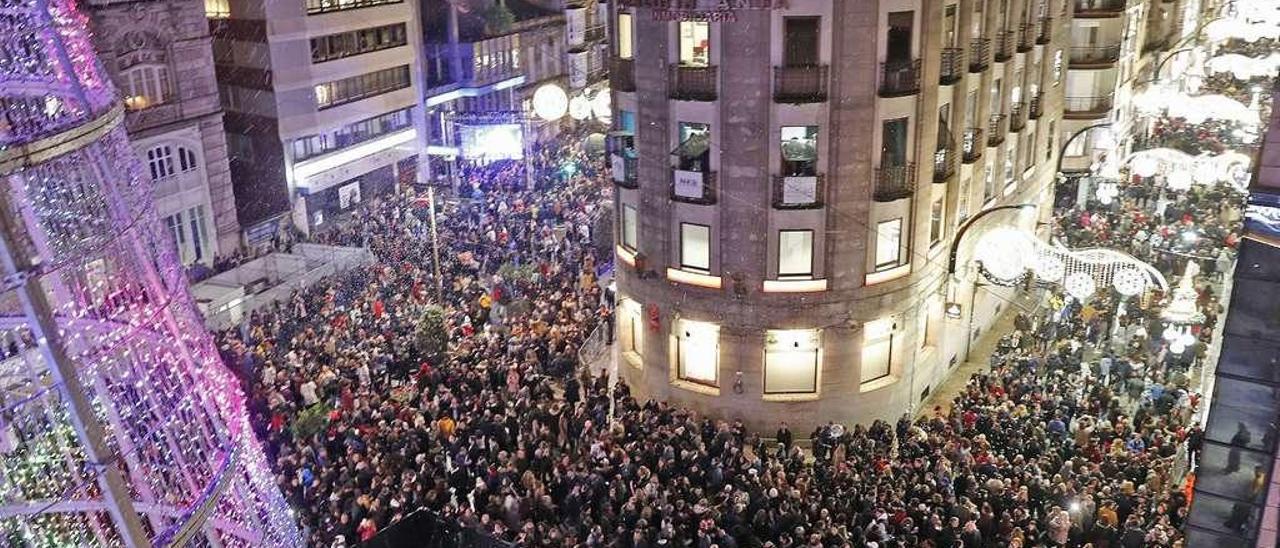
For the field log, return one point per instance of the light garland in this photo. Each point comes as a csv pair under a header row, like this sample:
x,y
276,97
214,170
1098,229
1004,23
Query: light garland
x,y
1005,256
167,412
1129,281
1080,285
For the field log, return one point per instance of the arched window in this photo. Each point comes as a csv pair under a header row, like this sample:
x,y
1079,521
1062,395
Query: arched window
x,y
160,160
145,85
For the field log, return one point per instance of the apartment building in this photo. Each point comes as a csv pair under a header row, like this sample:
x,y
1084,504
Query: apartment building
x,y
323,105
790,179
160,58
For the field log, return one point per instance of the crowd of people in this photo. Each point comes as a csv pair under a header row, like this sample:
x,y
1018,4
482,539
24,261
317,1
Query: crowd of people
x,y
1055,445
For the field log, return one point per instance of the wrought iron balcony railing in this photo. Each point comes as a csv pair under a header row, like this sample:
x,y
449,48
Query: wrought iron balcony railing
x,y
1017,117
1094,56
798,191
1004,45
693,187
693,83
979,54
952,66
1080,108
1026,37
807,84
995,130
944,164
972,145
899,78
626,170
622,75
1046,31
1036,106
895,182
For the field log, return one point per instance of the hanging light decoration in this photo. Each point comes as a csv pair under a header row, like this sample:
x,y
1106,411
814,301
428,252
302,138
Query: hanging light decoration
x,y
1179,181
579,108
1129,281
1080,285
1002,255
1107,192
550,102
1145,166
602,104
1049,267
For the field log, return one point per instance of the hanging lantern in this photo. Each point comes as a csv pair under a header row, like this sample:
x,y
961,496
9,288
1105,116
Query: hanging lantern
x,y
579,108
1002,254
1080,285
550,102
601,104
1129,281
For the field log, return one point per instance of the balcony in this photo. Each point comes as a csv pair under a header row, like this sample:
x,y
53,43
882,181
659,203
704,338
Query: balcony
x,y
693,187
1004,45
979,54
798,191
995,130
1037,106
596,33
971,145
1017,117
1094,57
625,169
796,85
1086,9
693,83
895,182
1046,31
952,66
899,78
1026,37
1086,108
622,75
944,164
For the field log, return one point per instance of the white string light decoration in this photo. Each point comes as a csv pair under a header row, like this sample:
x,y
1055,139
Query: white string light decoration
x,y
1005,255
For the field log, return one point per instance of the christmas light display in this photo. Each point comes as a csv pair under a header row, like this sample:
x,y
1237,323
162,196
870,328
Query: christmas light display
x,y
119,425
1005,256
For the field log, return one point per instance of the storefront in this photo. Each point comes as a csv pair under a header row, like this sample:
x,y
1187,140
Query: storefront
x,y
330,204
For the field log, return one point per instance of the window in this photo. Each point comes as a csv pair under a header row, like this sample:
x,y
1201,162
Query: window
x,y
326,6
989,183
351,134
145,85
630,326
356,42
799,151
898,36
1057,67
160,160
795,254
355,88
893,144
695,43
888,244
186,159
1053,131
695,247
800,46
626,45
927,329
190,233
629,222
1010,154
935,220
217,9
962,204
877,349
791,361
697,351
694,150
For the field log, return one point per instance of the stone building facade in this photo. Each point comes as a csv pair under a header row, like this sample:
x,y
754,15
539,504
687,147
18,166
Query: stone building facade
x,y
791,177
160,57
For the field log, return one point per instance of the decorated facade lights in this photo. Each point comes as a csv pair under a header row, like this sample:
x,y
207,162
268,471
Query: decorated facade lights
x,y
1181,169
1007,256
1182,310
1195,109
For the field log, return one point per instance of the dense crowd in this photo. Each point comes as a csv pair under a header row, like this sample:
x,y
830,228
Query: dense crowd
x,y
1055,445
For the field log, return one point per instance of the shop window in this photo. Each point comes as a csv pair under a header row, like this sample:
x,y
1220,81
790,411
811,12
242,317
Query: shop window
x,y
698,351
795,254
791,361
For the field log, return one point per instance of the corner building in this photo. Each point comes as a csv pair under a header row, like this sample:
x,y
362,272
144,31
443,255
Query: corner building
x,y
790,176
